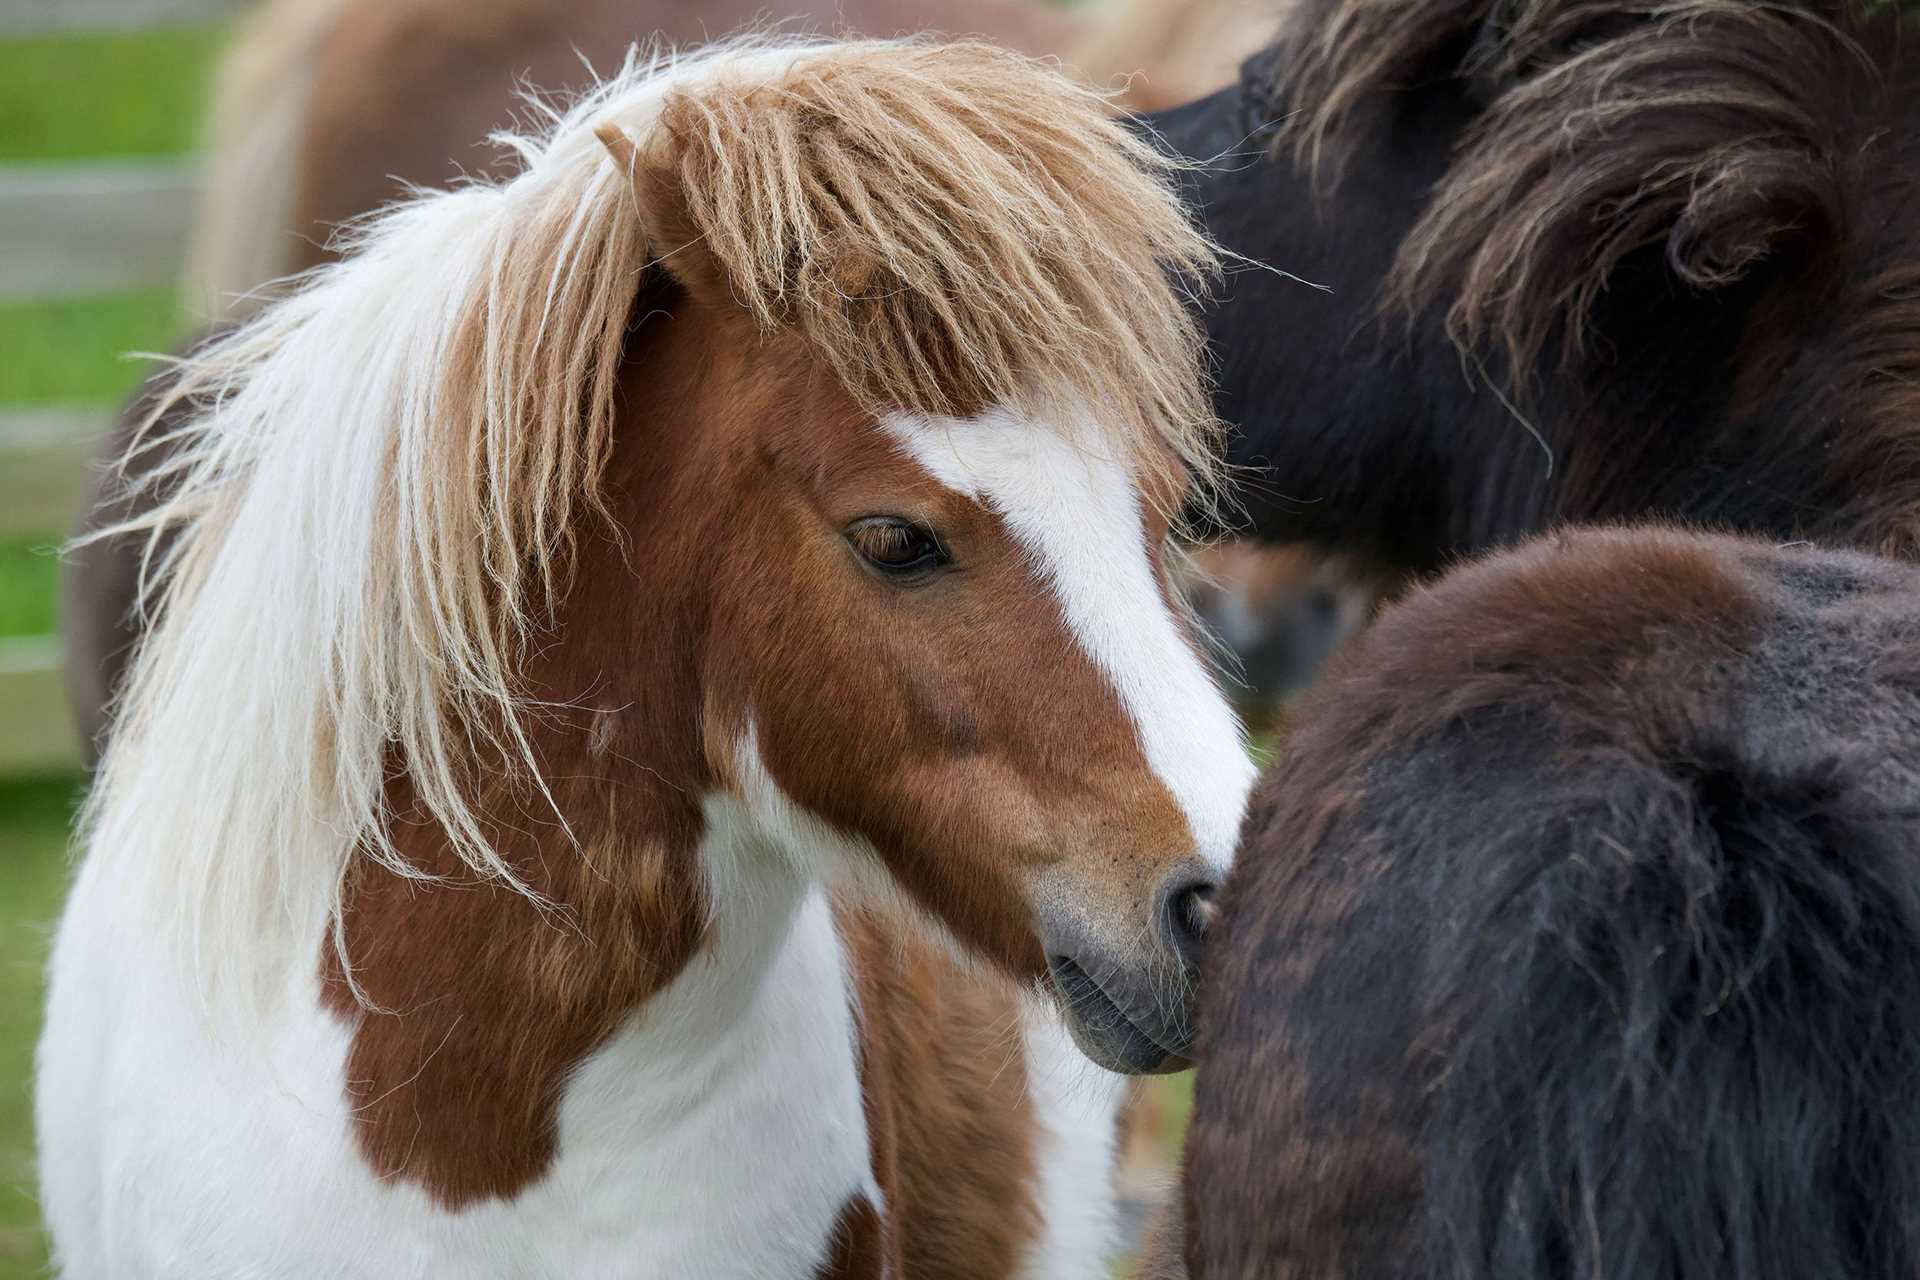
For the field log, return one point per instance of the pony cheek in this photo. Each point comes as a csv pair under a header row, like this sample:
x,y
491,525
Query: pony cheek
x,y
777,636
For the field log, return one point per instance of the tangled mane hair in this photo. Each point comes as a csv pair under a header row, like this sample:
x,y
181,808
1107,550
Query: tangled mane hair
x,y
1731,171
370,490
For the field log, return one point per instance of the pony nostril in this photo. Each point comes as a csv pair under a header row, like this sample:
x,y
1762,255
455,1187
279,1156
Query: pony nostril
x,y
1186,913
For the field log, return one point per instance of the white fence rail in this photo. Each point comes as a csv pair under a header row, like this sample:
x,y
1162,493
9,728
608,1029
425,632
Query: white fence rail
x,y
36,727
44,453
93,228
39,17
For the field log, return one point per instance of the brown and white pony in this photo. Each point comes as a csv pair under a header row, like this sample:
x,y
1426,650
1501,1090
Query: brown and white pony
x,y
630,639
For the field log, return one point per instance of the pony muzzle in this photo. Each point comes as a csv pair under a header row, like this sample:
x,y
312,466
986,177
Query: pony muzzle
x,y
1131,1008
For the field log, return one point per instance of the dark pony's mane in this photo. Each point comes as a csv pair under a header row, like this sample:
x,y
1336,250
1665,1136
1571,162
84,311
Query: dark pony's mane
x,y
1712,199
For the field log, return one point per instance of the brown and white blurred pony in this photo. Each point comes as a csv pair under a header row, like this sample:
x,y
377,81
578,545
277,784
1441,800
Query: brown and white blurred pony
x,y
627,639
1277,613
327,109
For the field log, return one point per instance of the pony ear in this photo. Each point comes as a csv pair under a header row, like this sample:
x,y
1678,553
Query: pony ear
x,y
678,253
618,145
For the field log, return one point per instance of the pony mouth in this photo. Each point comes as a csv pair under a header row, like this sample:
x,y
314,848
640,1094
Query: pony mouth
x,y
1107,1033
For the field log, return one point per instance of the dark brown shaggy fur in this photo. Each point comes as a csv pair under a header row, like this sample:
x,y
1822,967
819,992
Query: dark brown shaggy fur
x,y
1580,932
1577,936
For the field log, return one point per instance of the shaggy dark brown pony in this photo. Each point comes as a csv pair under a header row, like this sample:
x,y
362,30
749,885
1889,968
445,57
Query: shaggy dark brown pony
x,y
1576,935
1579,936
1582,259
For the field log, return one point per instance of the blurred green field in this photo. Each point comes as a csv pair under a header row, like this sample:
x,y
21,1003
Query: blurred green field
x,y
78,350
28,573
67,98
33,875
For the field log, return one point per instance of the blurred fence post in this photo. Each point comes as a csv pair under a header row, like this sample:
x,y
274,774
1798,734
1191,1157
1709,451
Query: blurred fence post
x,y
74,228
44,17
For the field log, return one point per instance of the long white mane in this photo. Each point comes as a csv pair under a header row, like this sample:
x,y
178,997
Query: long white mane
x,y
341,570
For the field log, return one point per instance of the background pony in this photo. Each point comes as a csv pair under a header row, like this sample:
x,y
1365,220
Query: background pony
x,y
1278,612
328,109
577,721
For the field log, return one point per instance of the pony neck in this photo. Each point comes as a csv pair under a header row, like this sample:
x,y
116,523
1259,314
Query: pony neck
x,y
477,1001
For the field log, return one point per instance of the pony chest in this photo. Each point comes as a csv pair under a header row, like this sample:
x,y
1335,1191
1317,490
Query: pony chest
x,y
718,1132
739,1151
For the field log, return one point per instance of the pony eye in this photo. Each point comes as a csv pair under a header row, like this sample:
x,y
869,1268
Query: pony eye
x,y
897,549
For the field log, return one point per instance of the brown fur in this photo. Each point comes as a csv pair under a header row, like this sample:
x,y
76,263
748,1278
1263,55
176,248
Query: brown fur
x,y
1554,602
1578,931
947,1105
860,1248
466,971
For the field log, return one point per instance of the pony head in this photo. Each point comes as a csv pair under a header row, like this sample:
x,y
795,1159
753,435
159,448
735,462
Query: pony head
x,y
800,428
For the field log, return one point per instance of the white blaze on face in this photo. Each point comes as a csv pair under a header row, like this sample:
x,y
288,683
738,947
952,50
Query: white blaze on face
x,y
1077,510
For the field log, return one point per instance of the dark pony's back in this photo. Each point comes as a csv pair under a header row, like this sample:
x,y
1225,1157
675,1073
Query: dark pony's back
x,y
1578,934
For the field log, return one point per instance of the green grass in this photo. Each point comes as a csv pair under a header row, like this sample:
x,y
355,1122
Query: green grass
x,y
67,97
33,875
74,350
29,574
68,351
64,97
1176,1094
